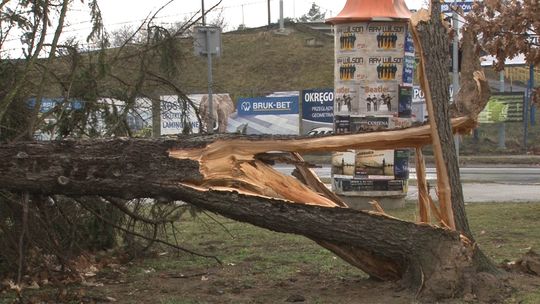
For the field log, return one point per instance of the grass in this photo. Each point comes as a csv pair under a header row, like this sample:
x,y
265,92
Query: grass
x,y
274,254
505,231
260,266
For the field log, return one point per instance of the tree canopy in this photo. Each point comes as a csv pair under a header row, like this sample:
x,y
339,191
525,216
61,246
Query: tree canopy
x,y
313,15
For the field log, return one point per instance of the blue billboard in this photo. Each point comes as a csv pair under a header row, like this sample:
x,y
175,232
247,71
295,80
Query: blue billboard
x,y
409,42
267,106
466,6
318,105
48,104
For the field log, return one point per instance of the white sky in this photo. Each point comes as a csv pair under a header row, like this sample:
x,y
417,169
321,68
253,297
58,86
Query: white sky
x,y
119,13
130,13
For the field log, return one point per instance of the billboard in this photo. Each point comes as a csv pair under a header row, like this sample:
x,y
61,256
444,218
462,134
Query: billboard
x,y
180,116
317,111
267,105
277,114
98,122
50,104
503,107
448,7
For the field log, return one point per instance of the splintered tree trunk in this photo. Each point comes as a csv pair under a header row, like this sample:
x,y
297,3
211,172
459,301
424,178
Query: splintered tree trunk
x,y
224,175
432,38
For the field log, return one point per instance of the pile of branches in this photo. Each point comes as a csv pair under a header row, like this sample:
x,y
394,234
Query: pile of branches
x,y
43,237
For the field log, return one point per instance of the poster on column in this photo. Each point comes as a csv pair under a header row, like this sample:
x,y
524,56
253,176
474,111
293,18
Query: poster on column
x,y
363,124
352,69
379,98
346,99
378,164
370,66
370,37
343,164
342,124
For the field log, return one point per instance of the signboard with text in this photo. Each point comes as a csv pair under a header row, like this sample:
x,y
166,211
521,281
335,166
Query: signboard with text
x,y
276,114
267,106
503,107
448,6
317,111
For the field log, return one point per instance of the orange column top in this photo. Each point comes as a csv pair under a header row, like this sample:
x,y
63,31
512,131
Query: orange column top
x,y
366,10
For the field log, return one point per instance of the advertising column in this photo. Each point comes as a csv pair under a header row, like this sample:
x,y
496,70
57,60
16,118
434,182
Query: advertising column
x,y
374,62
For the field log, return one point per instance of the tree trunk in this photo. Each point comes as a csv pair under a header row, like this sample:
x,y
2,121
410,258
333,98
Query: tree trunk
x,y
433,38
431,260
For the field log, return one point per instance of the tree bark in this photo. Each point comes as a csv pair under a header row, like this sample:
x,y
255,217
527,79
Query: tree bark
x,y
431,260
432,41
433,38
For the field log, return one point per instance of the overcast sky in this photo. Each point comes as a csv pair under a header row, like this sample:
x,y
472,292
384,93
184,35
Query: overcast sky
x,y
130,13
119,13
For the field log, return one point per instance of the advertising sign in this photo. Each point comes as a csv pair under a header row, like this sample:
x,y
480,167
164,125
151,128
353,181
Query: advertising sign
x,y
409,43
267,105
368,124
317,111
138,116
369,66
405,101
49,104
274,114
503,107
447,8
408,70
401,164
179,116
342,124
374,164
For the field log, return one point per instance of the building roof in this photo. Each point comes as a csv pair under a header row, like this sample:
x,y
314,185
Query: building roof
x,y
368,10
517,60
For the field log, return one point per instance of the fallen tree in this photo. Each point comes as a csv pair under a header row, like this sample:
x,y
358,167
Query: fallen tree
x,y
229,175
426,256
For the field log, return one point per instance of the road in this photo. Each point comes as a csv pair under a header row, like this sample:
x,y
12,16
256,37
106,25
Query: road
x,y
480,184
505,175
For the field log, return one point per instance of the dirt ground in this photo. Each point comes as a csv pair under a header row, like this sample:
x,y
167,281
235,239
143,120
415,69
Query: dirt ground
x,y
243,284
246,283
261,266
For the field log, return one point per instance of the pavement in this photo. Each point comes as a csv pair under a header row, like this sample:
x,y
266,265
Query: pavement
x,y
485,179
490,193
493,179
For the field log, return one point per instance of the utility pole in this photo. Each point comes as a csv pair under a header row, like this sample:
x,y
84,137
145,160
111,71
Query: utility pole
x,y
203,13
269,19
526,107
502,127
243,22
281,21
533,108
156,115
210,123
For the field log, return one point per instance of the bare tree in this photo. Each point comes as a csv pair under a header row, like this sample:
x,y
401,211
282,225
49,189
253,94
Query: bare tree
x,y
507,29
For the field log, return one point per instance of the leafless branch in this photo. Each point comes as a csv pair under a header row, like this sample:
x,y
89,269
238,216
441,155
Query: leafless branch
x,y
83,204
